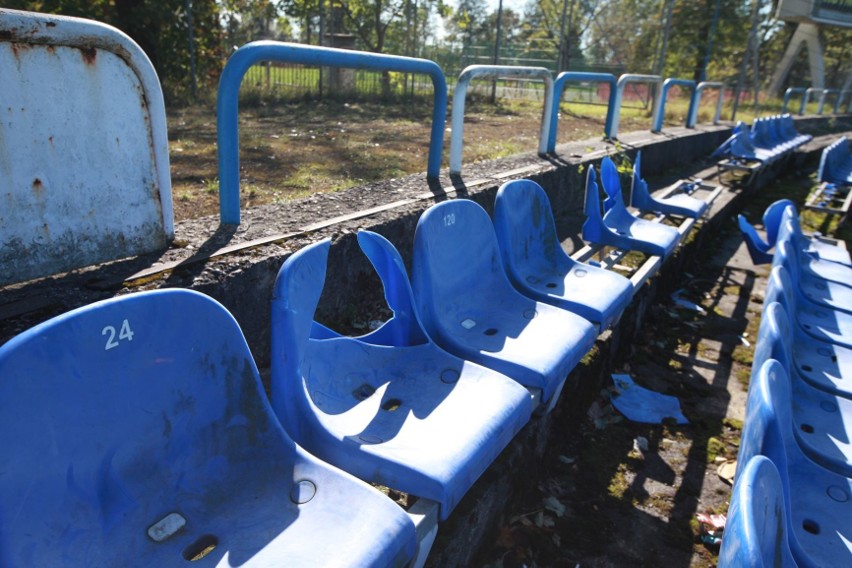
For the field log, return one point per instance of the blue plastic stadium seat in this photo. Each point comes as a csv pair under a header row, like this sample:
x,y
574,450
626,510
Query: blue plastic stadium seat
x,y
816,256
788,128
469,307
824,365
819,322
756,528
540,269
618,227
835,165
136,432
743,147
811,288
816,499
822,421
679,204
389,407
758,250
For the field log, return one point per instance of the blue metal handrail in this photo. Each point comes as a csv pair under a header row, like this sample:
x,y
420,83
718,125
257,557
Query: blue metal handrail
x,y
788,94
619,92
660,110
494,72
808,92
692,117
228,103
825,93
575,77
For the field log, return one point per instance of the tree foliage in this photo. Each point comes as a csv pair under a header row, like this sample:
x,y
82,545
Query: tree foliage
x,y
160,27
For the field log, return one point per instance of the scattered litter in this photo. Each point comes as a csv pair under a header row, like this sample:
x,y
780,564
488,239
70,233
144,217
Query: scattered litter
x,y
717,522
682,302
375,324
566,460
553,504
712,528
744,341
639,404
603,415
640,444
726,470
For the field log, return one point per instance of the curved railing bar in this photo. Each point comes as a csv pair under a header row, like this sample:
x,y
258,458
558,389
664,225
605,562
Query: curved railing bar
x,y
619,92
692,118
576,77
493,72
660,110
249,54
788,94
825,93
808,92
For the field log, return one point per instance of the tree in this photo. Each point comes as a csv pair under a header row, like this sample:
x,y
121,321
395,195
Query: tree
x,y
161,28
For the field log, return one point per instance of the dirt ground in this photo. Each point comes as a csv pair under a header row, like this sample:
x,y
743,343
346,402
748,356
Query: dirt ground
x,y
604,501
289,150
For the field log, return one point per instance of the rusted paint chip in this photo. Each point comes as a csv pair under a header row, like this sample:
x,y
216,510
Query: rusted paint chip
x,y
90,54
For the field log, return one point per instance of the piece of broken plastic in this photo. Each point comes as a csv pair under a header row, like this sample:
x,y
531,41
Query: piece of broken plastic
x,y
639,404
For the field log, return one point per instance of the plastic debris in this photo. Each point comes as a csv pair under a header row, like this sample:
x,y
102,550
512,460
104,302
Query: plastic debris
x,y
567,460
682,302
639,404
726,469
640,444
712,528
555,505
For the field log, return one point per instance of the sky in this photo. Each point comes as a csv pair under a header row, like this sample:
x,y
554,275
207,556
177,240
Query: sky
x,y
516,5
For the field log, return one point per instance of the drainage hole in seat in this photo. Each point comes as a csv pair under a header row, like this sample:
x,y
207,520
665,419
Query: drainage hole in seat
x,y
392,405
490,331
807,368
807,428
810,526
200,548
363,392
550,285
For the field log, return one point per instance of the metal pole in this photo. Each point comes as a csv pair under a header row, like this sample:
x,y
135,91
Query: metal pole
x,y
191,35
497,49
744,66
702,76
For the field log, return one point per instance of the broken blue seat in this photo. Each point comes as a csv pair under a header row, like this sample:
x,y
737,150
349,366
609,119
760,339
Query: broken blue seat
x,y
620,229
816,500
389,407
810,288
679,204
756,529
822,422
835,164
816,256
819,322
136,432
469,307
540,269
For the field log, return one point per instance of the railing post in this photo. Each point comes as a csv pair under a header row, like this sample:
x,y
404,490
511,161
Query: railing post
x,y
227,106
825,93
659,112
493,72
807,99
788,94
573,77
692,118
619,93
